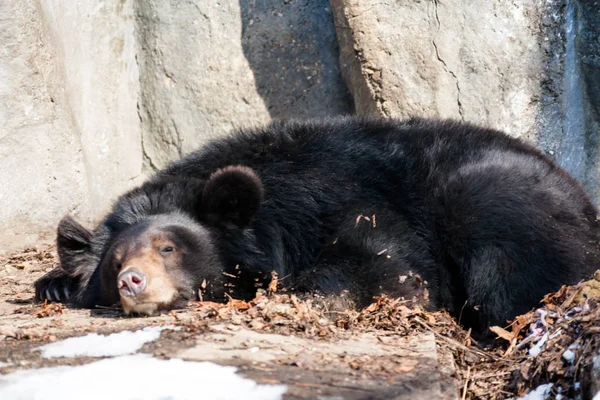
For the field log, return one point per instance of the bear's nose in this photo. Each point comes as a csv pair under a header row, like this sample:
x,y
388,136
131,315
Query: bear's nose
x,y
131,282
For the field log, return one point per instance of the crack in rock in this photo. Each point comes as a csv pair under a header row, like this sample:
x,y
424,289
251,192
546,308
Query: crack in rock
x,y
446,68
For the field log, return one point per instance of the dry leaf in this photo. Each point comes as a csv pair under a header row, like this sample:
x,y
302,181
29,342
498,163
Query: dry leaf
x,y
549,298
502,333
354,365
518,324
203,305
357,220
407,366
239,304
272,288
49,309
430,319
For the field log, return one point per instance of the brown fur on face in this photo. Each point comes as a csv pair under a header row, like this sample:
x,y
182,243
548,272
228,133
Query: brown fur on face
x,y
160,290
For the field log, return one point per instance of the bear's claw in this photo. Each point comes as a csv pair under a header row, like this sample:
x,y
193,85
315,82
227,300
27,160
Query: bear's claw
x,y
55,286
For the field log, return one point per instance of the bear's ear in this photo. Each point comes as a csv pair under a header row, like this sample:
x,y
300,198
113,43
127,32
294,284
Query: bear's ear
x,y
73,243
232,196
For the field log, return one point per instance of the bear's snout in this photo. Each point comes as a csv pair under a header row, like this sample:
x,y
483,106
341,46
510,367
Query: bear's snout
x,y
144,283
131,282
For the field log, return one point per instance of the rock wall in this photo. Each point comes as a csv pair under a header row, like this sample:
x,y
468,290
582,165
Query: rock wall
x,y
292,49
70,132
97,95
480,62
95,50
206,69
41,165
584,34
196,82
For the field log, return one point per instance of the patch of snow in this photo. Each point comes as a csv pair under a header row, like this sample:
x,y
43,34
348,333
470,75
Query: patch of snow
x,y
559,395
4,364
542,313
139,376
597,396
569,354
540,393
537,349
94,345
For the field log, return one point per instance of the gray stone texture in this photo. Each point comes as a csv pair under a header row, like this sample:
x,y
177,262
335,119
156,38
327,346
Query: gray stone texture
x,y
475,61
70,132
41,165
586,38
82,80
96,54
208,68
291,47
196,83
424,371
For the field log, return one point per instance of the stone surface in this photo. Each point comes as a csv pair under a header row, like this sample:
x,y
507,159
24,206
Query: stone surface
x,y
292,49
196,82
101,81
208,68
81,81
349,368
443,59
70,132
585,35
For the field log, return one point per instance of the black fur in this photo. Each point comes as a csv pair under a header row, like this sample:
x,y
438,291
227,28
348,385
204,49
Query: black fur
x,y
232,196
470,214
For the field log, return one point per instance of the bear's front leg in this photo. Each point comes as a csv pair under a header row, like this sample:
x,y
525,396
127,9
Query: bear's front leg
x,y
57,285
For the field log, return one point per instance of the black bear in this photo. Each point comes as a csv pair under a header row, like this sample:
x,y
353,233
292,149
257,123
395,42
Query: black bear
x,y
454,215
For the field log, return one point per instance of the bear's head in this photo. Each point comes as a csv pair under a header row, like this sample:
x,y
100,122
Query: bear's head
x,y
162,260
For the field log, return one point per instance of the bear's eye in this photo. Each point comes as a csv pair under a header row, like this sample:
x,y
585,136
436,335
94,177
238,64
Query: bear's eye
x,y
167,249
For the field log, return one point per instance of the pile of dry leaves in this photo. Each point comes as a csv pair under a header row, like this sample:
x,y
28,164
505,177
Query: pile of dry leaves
x,y
551,348
554,344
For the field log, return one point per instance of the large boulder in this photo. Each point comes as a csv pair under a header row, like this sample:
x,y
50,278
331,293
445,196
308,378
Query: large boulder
x,y
41,165
292,49
82,80
207,68
96,55
584,35
476,62
196,83
70,132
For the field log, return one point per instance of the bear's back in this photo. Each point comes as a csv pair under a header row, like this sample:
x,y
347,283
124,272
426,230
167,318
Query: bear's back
x,y
345,158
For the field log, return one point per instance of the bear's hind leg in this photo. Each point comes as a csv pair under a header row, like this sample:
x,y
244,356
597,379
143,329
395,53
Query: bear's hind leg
x,y
516,230
496,288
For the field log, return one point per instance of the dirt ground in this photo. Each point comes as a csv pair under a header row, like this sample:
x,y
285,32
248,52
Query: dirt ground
x,y
389,350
